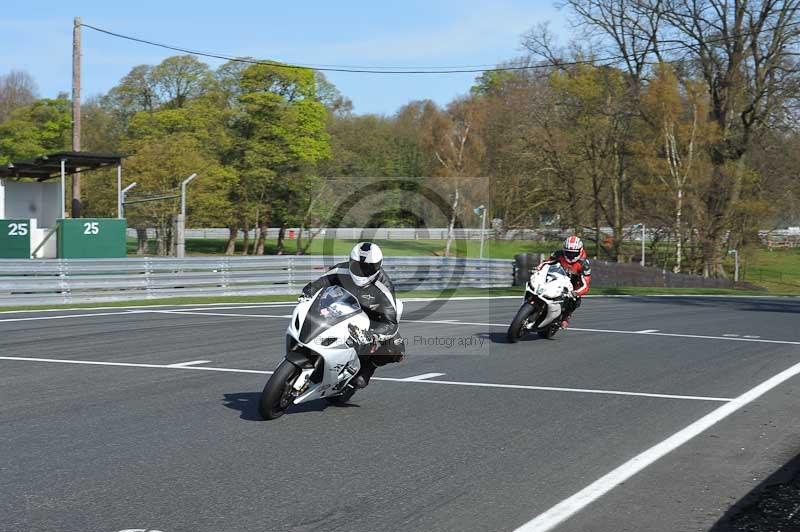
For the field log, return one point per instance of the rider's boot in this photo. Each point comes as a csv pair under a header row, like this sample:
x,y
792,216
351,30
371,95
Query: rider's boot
x,y
565,320
361,380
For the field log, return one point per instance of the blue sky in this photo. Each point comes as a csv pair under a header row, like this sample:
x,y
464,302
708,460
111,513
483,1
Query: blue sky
x,y
37,38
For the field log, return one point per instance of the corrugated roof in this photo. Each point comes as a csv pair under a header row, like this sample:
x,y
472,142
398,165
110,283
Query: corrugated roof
x,y
49,166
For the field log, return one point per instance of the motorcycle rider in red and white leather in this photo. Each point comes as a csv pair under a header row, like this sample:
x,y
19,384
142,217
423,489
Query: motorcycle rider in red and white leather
x,y
572,257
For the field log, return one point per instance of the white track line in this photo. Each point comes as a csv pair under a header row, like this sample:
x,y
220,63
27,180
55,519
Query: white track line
x,y
613,331
698,336
454,322
422,377
648,331
442,322
225,314
163,305
133,365
557,389
388,379
572,505
37,318
407,300
189,363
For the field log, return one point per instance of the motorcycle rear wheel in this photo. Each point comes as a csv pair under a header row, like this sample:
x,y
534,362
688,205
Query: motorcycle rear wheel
x,y
517,328
276,397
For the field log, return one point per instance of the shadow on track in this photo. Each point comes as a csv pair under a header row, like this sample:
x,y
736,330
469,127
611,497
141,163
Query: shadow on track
x,y
502,337
247,404
773,505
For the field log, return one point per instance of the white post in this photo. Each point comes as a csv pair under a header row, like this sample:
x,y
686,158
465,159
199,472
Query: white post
x,y
63,190
122,195
483,230
643,231
180,227
736,265
183,192
119,191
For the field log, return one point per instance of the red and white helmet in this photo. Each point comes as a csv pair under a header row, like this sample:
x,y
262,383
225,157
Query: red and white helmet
x,y
573,249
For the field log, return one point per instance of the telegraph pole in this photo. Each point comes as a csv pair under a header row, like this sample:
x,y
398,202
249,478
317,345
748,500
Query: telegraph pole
x,y
76,112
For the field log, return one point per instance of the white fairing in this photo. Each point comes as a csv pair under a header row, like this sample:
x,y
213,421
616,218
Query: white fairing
x,y
340,360
550,285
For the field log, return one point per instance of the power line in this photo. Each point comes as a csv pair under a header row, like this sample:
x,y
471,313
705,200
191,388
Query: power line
x,y
470,69
366,70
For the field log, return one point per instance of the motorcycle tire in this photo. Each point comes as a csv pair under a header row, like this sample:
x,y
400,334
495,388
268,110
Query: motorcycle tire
x,y
517,328
276,397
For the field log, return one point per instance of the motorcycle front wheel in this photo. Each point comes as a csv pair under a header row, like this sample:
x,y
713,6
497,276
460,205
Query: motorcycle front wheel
x,y
277,396
517,328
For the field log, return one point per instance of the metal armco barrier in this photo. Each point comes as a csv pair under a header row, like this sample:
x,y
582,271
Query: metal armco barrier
x,y
66,281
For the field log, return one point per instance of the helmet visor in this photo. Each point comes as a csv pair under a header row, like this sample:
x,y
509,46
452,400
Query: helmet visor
x,y
364,269
571,255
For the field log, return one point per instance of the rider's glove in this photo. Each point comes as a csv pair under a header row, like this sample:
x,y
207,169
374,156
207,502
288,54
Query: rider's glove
x,y
303,298
360,336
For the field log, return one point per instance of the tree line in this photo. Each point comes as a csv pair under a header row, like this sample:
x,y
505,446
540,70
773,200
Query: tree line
x,y
690,128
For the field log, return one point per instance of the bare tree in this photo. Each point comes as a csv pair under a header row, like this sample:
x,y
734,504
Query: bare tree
x,y
744,51
17,89
457,146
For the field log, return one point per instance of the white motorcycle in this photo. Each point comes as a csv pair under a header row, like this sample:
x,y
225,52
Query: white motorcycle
x,y
321,356
545,294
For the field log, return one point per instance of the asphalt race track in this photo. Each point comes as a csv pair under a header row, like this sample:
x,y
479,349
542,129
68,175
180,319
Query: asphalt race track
x,y
651,414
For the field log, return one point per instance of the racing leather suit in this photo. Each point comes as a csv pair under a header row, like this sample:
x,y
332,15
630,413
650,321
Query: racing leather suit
x,y
580,273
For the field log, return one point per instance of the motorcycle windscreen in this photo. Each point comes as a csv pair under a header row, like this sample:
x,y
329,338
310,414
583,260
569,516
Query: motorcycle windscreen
x,y
333,305
555,271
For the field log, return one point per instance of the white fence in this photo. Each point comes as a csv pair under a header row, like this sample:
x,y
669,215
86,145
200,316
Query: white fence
x,y
67,281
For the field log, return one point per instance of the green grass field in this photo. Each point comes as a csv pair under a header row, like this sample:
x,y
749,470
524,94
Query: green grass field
x,y
471,248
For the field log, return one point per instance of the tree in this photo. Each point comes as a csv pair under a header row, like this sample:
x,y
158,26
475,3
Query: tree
x,y
679,120
134,93
158,165
17,89
597,125
280,135
180,78
742,51
454,139
42,127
